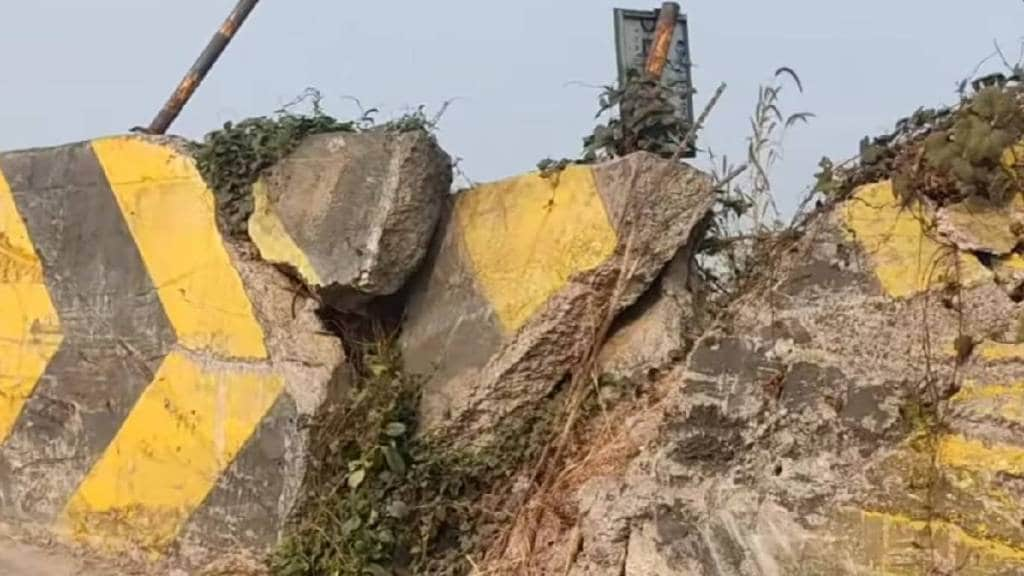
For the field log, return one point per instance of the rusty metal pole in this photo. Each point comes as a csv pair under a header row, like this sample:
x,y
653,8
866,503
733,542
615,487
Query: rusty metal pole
x,y
666,29
206,60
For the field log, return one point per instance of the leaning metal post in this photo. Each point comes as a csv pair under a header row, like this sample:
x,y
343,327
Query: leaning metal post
x,y
666,29
206,60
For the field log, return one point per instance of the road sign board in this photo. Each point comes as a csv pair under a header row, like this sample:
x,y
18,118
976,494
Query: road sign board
x,y
634,35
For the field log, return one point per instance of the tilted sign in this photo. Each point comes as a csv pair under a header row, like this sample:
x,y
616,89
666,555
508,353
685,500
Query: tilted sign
x,y
634,35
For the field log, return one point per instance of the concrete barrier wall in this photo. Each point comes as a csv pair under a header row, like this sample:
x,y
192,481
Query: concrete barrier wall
x,y
155,376
141,403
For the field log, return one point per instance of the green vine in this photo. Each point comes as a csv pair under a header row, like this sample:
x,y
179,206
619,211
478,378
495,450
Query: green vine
x,y
647,121
232,159
384,501
952,154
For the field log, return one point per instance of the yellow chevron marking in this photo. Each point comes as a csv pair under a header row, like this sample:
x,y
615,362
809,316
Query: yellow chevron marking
x,y
29,326
272,239
170,213
959,452
998,401
898,544
905,259
527,236
185,430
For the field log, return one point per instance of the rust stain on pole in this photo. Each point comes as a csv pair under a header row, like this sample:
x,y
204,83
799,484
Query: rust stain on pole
x,y
187,87
658,57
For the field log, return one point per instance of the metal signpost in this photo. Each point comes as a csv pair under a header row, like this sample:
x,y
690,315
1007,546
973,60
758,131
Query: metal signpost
x,y
201,68
636,37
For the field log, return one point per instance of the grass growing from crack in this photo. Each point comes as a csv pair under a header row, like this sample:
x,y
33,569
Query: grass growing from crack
x,y
745,224
385,501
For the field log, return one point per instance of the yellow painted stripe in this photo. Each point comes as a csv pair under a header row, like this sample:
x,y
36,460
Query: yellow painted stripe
x,y
29,327
904,532
272,239
1012,263
1013,159
973,455
1000,351
994,401
185,430
989,351
170,212
527,236
905,258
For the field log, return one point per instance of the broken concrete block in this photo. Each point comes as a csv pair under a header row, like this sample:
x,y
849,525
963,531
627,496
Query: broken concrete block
x,y
659,329
906,256
353,212
978,225
528,269
155,383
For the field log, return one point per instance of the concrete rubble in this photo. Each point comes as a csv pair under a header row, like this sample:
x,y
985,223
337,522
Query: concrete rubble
x,y
659,330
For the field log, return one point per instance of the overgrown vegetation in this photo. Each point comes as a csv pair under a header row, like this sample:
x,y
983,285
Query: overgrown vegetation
x,y
642,115
746,219
648,119
232,159
965,155
945,155
384,501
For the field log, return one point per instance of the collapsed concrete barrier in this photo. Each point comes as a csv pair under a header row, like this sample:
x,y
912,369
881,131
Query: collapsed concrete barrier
x,y
158,379
859,414
526,272
154,383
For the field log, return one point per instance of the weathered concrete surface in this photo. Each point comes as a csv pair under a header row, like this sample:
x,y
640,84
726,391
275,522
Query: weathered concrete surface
x,y
355,212
154,382
21,560
836,424
526,272
45,557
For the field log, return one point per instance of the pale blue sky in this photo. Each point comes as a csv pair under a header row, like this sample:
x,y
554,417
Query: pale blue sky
x,y
75,69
